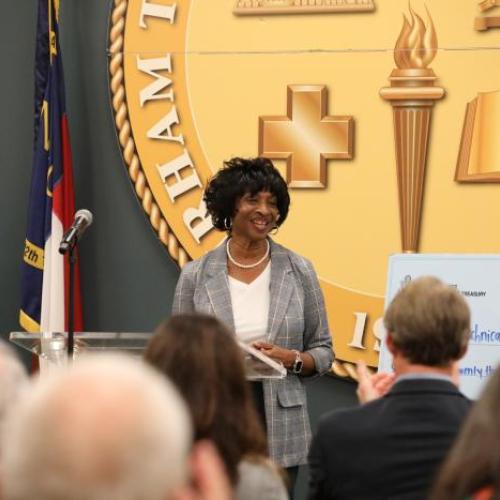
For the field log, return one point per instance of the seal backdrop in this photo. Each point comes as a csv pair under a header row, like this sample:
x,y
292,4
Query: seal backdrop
x,y
193,84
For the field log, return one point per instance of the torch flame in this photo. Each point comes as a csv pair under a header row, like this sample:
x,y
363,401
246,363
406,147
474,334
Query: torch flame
x,y
416,46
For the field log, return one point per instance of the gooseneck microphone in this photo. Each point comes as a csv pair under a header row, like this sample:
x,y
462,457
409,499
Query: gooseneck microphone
x,y
83,219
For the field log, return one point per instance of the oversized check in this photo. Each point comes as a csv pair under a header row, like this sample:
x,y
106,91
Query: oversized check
x,y
477,279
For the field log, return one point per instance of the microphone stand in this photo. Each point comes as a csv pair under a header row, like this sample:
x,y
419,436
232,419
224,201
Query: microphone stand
x,y
71,306
83,219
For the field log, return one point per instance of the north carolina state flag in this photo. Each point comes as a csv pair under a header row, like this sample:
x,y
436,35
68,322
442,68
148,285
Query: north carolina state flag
x,y
45,274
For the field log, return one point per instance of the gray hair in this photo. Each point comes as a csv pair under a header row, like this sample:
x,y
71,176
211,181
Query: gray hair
x,y
108,427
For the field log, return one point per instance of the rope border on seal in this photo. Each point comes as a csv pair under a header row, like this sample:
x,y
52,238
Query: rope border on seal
x,y
176,251
123,127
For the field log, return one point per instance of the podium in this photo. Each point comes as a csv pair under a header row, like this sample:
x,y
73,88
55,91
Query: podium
x,y
51,347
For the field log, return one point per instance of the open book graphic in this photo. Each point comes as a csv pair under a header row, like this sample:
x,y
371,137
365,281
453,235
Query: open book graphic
x,y
479,155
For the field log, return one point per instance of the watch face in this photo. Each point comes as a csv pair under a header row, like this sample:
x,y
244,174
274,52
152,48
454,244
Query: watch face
x,y
297,367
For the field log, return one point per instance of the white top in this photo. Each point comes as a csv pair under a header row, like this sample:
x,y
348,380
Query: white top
x,y
251,306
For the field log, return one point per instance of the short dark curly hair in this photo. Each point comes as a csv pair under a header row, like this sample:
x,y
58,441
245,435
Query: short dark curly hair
x,y
238,177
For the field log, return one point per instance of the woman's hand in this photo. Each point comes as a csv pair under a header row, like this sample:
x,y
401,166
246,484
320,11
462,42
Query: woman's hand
x,y
287,356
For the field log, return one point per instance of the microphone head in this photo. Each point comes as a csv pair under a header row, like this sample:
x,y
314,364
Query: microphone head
x,y
85,214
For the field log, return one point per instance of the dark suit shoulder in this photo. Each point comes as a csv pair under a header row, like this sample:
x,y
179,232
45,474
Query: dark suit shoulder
x,y
426,385
429,397
341,420
425,390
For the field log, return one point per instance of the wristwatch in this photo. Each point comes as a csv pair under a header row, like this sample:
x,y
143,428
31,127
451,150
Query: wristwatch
x,y
298,363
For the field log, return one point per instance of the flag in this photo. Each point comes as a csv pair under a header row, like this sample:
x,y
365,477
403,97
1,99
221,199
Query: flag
x,y
45,273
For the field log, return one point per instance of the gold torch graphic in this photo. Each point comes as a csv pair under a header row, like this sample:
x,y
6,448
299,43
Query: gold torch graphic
x,y
412,95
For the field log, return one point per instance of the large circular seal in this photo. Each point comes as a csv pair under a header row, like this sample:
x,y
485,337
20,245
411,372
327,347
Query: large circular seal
x,y
193,84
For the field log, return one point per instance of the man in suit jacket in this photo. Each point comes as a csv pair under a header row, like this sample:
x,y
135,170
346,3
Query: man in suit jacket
x,y
391,446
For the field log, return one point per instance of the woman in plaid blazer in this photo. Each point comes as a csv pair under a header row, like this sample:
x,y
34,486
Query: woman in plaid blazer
x,y
267,294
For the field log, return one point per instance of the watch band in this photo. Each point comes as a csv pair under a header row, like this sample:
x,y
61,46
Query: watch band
x,y
298,363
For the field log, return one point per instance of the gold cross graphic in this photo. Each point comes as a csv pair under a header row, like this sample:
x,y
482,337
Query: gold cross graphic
x,y
306,137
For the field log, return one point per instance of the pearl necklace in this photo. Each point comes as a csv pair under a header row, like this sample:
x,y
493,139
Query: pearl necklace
x,y
247,266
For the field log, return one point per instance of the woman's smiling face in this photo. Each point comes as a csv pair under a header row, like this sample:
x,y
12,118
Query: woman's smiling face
x,y
255,215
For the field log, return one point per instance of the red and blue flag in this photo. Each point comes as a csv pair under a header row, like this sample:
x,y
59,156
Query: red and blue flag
x,y
45,273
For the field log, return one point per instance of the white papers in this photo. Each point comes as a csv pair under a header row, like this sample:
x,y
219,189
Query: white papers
x,y
258,366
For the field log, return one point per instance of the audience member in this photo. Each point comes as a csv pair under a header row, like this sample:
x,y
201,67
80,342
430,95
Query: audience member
x,y
392,446
108,427
472,469
13,379
202,359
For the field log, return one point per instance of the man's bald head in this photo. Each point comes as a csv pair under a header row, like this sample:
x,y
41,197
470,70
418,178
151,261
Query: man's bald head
x,y
108,427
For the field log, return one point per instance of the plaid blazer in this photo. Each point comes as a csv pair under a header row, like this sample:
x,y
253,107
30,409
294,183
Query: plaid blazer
x,y
297,320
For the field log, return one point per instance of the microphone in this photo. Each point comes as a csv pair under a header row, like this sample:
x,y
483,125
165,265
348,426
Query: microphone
x,y
83,219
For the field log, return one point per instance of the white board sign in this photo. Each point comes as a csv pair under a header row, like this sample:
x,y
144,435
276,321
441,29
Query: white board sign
x,y
477,277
